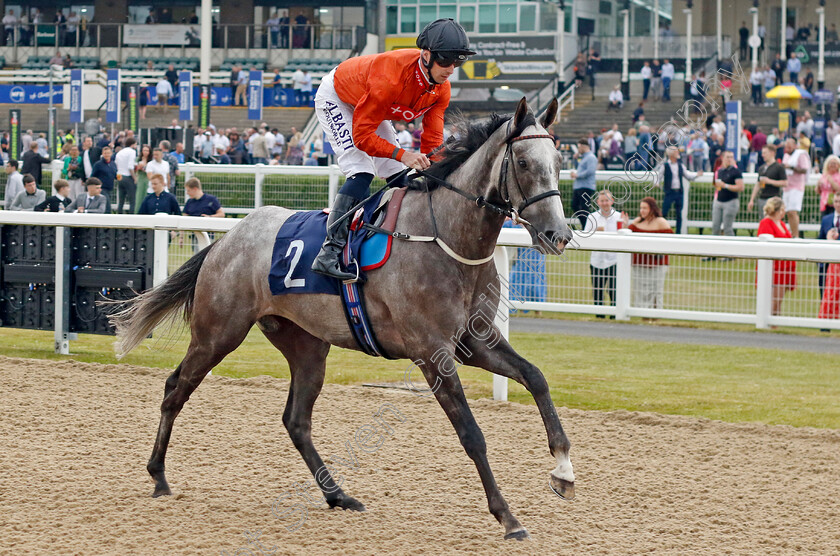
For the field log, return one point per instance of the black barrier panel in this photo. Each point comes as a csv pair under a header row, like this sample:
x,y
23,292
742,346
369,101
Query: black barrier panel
x,y
104,263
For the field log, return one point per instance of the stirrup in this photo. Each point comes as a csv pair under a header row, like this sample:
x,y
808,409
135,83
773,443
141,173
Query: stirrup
x,y
357,278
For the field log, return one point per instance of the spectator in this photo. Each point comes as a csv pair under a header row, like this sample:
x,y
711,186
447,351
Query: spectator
x,y
829,184
222,156
126,163
306,90
829,221
241,98
797,166
73,21
301,33
68,61
646,74
142,187
93,201
728,183
808,81
830,305
90,155
639,113
631,145
32,162
159,200
158,166
25,140
778,67
14,183
105,170
667,77
57,60
580,70
57,202
273,26
206,149
277,91
164,92
416,135
403,136
9,24
284,29
769,83
674,178
699,152
756,80
648,271
234,83
655,79
260,152
30,196
794,66
616,99
294,155
25,30
178,155
743,35
831,34
784,272
602,265
200,203
60,27
771,180
174,171
74,172
297,84
143,99
172,76
583,188
592,66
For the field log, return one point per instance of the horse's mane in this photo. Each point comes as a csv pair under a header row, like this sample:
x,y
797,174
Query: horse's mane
x,y
468,138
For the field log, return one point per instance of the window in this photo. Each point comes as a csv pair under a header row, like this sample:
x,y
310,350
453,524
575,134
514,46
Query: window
x,y
507,18
605,7
448,10
527,17
487,19
391,20
408,19
467,18
427,15
548,16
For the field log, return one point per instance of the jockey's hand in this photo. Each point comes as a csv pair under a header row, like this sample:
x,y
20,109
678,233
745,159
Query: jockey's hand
x,y
416,161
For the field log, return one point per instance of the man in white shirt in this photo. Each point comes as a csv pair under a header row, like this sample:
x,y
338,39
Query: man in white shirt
x,y
646,73
270,139
87,144
667,77
218,139
157,166
297,84
14,183
403,136
164,91
73,21
126,162
9,22
602,265
616,99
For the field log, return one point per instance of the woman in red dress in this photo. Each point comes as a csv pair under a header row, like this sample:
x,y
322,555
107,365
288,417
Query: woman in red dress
x,y
830,306
784,272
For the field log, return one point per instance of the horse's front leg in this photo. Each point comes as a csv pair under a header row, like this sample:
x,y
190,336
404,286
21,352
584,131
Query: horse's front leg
x,y
501,359
450,394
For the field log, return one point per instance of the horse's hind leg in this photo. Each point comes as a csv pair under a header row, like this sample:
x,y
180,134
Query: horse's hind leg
x,y
209,345
307,357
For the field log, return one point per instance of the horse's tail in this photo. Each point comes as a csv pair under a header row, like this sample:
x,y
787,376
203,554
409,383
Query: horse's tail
x,y
143,313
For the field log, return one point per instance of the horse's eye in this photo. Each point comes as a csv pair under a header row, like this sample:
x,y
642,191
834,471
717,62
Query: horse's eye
x,y
522,163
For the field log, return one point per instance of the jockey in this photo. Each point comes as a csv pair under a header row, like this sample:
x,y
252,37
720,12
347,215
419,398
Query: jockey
x,y
355,103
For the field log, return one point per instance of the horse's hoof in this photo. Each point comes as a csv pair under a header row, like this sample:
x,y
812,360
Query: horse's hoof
x,y
348,503
161,491
519,535
562,488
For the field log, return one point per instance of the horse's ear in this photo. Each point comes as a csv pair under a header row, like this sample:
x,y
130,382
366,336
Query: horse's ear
x,y
549,115
521,112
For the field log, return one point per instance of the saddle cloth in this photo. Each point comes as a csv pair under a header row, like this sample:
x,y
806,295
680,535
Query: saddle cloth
x,y
299,240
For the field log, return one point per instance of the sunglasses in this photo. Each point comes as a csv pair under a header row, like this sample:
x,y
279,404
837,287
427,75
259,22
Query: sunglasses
x,y
446,62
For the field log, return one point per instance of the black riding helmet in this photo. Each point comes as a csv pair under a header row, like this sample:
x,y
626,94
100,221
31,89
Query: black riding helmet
x,y
446,40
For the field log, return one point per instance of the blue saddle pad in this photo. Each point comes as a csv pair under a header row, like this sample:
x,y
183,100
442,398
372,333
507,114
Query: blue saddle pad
x,y
296,246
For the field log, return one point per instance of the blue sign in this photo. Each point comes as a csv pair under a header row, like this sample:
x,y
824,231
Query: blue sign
x,y
819,133
823,96
255,95
112,99
76,109
185,103
30,94
733,128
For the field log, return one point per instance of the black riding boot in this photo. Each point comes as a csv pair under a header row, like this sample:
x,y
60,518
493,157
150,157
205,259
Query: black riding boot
x,y
327,261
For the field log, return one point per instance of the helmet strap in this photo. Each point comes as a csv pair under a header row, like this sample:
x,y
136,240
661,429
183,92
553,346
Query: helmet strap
x,y
428,67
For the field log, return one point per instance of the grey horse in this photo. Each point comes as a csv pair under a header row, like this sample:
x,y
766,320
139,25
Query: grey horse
x,y
419,303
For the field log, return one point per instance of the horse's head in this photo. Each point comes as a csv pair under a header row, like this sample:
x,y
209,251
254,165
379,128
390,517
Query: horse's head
x,y
528,177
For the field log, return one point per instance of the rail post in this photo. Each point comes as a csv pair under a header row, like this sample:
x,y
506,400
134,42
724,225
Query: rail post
x,y
62,290
500,259
763,289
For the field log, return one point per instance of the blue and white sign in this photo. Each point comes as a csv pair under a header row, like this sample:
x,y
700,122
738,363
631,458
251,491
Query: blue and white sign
x,y
733,128
255,95
819,133
30,94
76,110
185,99
112,98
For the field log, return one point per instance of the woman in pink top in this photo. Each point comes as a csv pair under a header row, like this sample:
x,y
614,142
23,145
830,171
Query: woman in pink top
x,y
829,183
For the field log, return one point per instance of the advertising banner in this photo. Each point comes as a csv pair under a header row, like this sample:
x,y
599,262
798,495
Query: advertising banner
x,y
733,128
174,35
76,107
14,134
30,94
204,106
112,100
52,151
185,99
134,109
255,95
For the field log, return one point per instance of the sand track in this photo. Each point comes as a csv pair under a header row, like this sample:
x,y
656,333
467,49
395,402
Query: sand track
x,y
76,438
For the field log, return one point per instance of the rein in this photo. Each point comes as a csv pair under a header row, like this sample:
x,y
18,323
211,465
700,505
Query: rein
x,y
507,209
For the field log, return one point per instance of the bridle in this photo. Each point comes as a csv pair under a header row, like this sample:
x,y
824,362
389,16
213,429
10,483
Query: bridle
x,y
507,209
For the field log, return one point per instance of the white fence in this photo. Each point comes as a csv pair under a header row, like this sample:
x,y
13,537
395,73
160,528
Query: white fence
x,y
734,291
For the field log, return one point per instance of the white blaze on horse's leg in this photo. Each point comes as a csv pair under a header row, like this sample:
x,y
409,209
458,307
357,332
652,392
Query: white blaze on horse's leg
x,y
564,468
